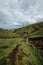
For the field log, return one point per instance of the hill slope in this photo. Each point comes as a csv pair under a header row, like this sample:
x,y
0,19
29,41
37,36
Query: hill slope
x,y
29,52
38,27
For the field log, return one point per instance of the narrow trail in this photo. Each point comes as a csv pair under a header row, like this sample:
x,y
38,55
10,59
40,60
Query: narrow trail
x,y
15,55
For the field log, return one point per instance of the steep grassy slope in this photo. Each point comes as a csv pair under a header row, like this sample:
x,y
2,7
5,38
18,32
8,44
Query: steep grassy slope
x,y
38,28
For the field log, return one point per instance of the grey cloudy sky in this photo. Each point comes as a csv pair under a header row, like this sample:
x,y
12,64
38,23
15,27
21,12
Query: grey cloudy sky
x,y
17,13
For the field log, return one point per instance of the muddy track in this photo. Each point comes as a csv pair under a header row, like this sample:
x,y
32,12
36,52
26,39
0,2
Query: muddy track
x,y
15,55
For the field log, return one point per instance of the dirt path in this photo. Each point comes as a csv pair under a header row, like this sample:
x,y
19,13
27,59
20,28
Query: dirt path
x,y
15,55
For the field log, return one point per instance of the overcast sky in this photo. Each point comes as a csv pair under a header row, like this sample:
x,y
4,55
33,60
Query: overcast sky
x,y
17,13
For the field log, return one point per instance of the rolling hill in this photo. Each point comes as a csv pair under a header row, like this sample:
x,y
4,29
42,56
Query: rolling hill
x,y
15,49
31,29
35,29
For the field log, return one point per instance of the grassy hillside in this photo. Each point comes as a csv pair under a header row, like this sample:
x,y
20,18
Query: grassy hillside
x,y
7,34
31,29
37,28
15,51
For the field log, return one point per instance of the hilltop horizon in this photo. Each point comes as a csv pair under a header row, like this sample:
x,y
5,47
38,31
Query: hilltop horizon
x,y
20,26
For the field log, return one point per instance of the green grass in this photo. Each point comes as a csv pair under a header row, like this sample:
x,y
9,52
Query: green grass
x,y
6,46
29,55
37,28
37,34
